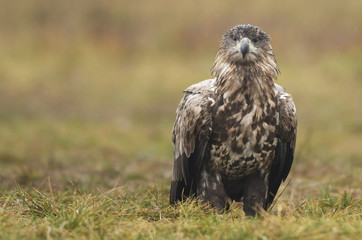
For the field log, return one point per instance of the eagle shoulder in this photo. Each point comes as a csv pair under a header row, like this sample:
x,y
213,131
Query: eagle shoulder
x,y
205,87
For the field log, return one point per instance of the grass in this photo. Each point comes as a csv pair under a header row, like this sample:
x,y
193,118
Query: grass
x,y
87,102
145,214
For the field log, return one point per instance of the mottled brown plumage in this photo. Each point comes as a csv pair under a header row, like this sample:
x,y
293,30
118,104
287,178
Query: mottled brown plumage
x,y
234,136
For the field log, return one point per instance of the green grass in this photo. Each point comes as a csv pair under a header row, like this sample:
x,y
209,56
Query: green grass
x,y
88,93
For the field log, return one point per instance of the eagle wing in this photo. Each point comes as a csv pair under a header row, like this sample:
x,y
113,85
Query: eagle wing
x,y
190,137
286,134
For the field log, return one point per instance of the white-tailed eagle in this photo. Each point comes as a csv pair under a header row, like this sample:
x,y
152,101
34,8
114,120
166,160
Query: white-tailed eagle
x,y
234,135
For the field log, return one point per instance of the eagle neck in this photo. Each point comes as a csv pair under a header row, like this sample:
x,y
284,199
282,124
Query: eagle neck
x,y
246,80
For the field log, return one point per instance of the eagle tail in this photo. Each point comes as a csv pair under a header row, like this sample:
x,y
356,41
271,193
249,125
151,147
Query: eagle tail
x,y
176,191
179,191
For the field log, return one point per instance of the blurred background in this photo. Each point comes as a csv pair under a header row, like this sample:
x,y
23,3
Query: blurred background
x,y
89,89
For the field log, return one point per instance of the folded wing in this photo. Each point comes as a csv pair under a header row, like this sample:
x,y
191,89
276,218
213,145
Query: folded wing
x,y
286,133
190,137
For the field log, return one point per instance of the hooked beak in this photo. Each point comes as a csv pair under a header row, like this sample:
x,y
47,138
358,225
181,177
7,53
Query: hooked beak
x,y
244,46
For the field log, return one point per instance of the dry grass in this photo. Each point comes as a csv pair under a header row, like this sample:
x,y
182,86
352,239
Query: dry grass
x,y
145,214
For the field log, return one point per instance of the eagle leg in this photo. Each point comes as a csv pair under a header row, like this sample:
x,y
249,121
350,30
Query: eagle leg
x,y
211,190
254,194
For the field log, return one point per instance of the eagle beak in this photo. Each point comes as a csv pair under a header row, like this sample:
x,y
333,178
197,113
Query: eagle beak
x,y
244,46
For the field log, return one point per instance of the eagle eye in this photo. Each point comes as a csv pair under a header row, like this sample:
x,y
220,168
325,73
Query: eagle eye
x,y
255,40
233,37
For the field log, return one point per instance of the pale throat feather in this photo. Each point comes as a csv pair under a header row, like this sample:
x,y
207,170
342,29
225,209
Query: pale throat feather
x,y
229,75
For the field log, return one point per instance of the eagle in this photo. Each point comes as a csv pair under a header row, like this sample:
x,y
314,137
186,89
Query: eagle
x,y
234,135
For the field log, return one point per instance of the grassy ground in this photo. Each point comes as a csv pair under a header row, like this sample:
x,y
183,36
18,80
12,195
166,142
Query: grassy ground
x,y
88,93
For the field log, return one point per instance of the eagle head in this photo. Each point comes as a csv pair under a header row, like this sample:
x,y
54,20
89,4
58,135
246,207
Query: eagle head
x,y
245,46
